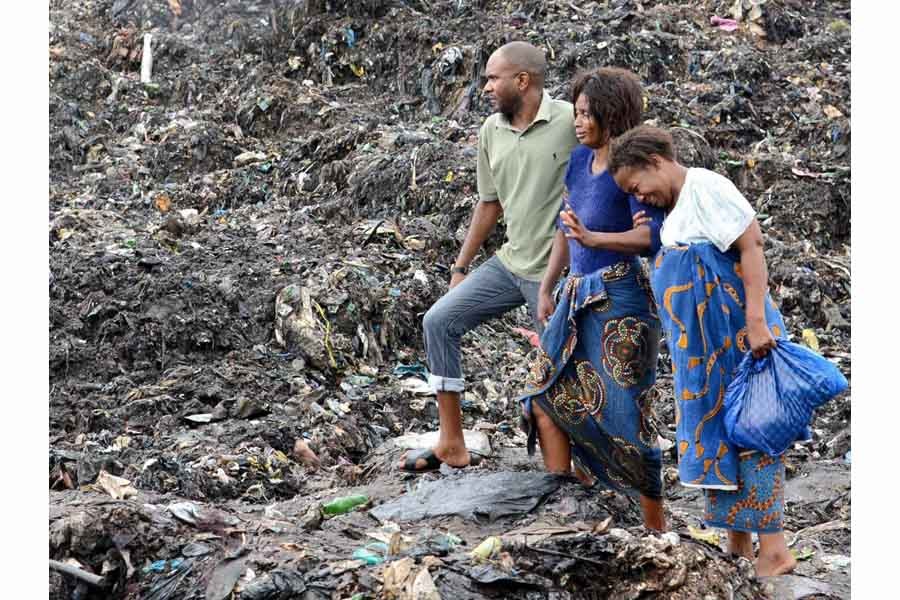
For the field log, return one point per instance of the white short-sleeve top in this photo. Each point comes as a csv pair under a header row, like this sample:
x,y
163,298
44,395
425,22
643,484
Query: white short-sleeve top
x,y
709,209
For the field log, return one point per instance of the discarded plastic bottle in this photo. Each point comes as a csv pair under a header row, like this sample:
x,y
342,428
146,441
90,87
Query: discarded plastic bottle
x,y
343,505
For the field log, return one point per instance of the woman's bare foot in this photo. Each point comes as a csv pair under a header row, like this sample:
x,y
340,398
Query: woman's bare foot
x,y
767,566
774,556
740,543
654,516
586,479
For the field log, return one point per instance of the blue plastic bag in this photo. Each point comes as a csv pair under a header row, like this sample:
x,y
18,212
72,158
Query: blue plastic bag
x,y
770,401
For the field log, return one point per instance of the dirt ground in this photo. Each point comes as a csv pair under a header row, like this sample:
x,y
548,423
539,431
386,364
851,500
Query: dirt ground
x,y
242,250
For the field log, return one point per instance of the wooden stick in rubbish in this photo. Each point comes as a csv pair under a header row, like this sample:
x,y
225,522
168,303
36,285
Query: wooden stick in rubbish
x,y
146,60
81,574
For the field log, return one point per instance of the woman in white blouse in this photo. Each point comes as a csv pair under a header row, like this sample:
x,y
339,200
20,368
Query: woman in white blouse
x,y
710,282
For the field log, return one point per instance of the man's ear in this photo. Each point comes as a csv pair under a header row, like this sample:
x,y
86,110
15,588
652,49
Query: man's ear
x,y
523,80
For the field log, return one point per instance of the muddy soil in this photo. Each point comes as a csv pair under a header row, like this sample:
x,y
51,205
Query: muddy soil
x,y
242,250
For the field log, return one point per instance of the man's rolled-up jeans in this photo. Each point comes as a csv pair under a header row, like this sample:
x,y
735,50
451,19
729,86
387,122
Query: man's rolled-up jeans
x,y
487,292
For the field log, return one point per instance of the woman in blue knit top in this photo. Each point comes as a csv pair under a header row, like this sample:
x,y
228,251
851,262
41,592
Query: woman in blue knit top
x,y
590,390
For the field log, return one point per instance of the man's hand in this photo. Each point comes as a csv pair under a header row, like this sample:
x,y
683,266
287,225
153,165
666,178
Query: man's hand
x,y
577,230
546,307
456,279
639,218
760,338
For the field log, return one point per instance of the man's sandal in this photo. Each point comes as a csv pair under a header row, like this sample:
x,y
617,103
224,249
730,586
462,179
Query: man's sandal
x,y
432,462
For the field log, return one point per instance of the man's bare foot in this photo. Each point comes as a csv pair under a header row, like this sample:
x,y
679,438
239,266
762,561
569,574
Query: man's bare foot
x,y
778,564
454,457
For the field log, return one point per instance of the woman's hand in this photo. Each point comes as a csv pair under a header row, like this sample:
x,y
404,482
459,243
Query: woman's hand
x,y
546,306
639,218
577,230
760,338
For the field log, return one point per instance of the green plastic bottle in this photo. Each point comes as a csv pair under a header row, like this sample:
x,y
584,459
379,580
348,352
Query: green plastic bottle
x,y
343,505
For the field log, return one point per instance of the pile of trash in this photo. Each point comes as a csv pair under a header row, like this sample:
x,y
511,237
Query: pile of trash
x,y
252,204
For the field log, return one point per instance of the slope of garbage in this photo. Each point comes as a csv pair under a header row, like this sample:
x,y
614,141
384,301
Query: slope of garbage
x,y
243,247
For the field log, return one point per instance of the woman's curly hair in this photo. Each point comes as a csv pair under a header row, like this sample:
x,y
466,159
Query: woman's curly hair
x,y
615,99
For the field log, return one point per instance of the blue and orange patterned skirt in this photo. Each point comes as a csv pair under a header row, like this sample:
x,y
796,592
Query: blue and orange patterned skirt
x,y
594,376
702,303
758,503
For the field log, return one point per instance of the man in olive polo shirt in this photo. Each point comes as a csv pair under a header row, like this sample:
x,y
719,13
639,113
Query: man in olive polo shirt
x,y
523,150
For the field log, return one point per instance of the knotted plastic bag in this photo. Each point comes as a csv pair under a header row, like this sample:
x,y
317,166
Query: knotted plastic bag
x,y
770,401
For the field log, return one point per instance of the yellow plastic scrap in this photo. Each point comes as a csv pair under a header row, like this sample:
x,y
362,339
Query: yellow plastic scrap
x,y
810,340
487,548
449,177
709,536
358,71
274,462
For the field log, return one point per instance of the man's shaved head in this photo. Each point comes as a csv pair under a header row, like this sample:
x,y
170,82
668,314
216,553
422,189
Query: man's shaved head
x,y
522,56
515,78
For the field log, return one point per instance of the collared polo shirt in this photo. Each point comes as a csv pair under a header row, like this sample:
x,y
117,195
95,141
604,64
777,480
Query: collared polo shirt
x,y
524,171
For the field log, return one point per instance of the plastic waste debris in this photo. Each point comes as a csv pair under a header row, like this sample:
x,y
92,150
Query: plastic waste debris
x,y
487,548
340,506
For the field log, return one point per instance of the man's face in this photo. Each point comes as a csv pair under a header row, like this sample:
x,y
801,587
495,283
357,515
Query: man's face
x,y
649,185
504,86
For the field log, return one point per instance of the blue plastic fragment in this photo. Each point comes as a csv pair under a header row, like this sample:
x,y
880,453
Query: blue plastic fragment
x,y
415,369
156,567
372,554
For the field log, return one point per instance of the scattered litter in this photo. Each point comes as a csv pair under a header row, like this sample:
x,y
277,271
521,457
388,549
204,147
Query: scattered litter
x,y
343,505
185,511
117,487
724,24
476,441
471,496
710,536
486,549
224,577
372,554
836,561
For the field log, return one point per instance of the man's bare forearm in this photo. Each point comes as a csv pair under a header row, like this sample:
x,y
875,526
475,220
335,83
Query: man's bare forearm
x,y
484,220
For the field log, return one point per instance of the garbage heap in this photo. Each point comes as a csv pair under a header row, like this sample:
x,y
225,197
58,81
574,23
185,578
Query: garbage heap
x,y
243,246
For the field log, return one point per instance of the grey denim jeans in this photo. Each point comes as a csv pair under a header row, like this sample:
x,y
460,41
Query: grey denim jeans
x,y
487,292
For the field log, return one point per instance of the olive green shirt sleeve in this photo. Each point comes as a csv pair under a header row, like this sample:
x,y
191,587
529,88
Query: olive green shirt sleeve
x,y
487,189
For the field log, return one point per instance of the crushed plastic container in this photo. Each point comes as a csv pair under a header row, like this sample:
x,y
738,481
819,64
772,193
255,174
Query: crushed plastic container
x,y
339,506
